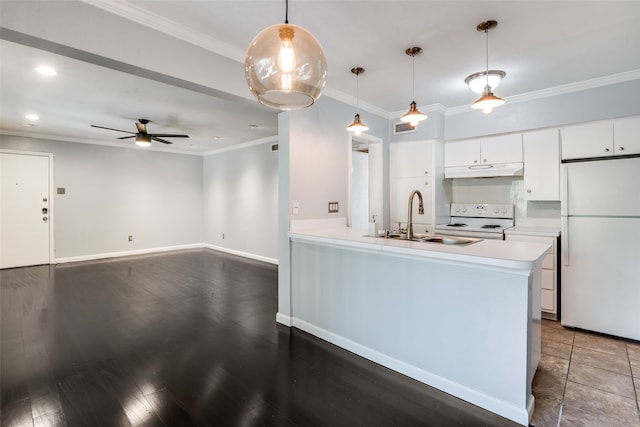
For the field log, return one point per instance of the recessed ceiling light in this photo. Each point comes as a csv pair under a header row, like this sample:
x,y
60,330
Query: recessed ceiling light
x,y
32,117
46,70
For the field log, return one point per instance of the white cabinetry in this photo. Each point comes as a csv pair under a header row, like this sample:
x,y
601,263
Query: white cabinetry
x,y
626,135
542,165
549,279
490,150
601,139
412,166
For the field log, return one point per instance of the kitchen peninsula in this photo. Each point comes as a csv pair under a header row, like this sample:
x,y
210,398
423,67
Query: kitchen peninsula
x,y
463,319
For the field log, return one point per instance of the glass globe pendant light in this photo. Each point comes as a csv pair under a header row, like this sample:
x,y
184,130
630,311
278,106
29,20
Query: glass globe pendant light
x,y
285,66
357,127
413,116
488,101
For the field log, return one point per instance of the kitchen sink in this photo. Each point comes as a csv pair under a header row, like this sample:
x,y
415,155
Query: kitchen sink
x,y
426,238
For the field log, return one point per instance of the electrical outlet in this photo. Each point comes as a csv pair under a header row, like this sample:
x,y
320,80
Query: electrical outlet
x,y
130,238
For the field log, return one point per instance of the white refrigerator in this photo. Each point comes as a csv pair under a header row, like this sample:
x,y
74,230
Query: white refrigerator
x,y
600,240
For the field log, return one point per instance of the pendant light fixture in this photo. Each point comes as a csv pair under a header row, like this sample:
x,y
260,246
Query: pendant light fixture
x,y
285,66
357,127
488,101
413,116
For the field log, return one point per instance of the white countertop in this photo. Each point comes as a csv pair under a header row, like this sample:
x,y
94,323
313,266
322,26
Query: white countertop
x,y
491,253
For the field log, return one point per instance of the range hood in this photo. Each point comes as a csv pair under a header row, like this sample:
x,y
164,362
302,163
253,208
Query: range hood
x,y
485,171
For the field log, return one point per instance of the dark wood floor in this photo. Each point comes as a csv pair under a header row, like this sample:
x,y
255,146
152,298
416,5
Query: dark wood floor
x,y
187,339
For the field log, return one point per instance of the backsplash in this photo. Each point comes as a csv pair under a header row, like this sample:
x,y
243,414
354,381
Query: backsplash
x,y
507,190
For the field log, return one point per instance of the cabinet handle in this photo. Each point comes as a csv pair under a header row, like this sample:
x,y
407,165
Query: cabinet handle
x,y
426,172
621,148
475,161
484,160
606,150
529,191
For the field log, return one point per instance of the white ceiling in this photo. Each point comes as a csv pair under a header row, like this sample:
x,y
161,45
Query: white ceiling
x,y
540,45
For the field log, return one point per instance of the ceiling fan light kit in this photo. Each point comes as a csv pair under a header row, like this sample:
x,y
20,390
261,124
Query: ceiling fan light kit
x,y
285,66
142,137
414,115
488,101
357,127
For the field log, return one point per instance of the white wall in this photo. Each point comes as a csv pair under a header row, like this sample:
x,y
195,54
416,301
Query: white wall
x,y
112,193
240,196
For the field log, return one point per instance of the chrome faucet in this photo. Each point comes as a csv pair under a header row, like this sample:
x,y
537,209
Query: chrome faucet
x,y
420,212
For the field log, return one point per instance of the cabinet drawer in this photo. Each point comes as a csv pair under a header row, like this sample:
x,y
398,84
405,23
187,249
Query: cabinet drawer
x,y
548,279
549,262
547,302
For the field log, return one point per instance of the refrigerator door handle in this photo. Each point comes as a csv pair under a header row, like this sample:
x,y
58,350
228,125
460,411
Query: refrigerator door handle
x,y
564,240
564,190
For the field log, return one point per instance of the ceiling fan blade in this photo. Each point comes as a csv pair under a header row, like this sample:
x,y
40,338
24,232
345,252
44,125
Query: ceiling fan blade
x,y
118,130
160,140
126,137
142,127
168,135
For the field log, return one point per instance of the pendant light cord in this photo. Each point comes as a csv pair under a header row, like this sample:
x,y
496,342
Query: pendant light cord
x,y
357,92
286,12
413,77
487,41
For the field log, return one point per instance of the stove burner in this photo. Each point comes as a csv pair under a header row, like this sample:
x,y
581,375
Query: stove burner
x,y
457,224
490,226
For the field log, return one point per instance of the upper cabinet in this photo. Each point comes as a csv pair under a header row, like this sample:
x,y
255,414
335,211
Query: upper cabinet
x,y
410,159
601,139
626,135
542,165
484,151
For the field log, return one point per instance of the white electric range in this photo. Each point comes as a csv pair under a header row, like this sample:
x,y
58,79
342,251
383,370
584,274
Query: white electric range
x,y
478,220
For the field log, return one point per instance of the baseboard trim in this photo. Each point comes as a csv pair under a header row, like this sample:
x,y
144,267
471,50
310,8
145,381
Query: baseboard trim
x,y
242,254
283,319
94,257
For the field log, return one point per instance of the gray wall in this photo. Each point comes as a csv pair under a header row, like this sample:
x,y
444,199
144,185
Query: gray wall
x,y
114,192
319,153
605,102
240,197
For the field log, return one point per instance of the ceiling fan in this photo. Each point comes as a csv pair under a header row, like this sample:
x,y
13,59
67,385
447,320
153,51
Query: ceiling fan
x,y
144,138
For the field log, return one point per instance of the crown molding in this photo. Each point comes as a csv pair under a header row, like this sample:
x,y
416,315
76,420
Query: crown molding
x,y
50,137
560,90
352,100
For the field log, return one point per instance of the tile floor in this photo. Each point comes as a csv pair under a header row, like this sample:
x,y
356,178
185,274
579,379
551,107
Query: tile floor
x,y
586,379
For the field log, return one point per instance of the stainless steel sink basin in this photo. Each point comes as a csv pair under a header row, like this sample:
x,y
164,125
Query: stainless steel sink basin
x,y
447,240
426,238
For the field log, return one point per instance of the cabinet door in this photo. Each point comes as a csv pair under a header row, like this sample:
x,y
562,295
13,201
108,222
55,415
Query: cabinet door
x,y
400,190
588,140
501,149
462,153
542,165
626,133
410,159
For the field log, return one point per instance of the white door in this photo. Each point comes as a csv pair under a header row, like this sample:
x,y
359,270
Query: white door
x,y
24,210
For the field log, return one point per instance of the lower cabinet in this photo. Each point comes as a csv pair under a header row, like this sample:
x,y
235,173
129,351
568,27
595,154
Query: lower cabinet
x,y
549,286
